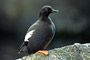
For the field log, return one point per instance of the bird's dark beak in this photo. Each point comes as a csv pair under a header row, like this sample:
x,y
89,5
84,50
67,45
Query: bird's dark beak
x,y
53,10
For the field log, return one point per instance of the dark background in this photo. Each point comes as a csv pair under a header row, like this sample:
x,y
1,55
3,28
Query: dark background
x,y
72,23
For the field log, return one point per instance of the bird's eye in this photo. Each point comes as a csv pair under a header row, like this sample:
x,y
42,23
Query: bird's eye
x,y
49,9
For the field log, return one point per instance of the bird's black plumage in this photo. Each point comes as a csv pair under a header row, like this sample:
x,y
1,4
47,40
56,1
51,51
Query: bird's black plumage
x,y
40,34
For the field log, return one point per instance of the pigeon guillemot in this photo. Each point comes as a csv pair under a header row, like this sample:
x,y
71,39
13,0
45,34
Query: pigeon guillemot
x,y
40,34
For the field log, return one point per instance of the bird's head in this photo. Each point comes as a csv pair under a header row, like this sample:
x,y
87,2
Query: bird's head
x,y
46,10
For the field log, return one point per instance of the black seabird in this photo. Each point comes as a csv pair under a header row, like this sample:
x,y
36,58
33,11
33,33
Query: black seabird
x,y
40,34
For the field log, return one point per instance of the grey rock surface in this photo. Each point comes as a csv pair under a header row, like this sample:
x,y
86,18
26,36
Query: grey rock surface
x,y
76,51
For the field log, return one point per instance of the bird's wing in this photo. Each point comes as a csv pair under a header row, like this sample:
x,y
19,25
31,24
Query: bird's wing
x,y
33,26
24,44
28,35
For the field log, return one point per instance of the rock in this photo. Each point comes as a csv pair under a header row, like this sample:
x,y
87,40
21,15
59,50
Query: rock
x,y
76,51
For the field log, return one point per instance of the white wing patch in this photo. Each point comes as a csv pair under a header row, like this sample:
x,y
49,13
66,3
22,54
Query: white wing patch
x,y
28,35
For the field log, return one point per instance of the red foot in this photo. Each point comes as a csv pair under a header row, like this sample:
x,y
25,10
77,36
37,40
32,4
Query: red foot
x,y
45,52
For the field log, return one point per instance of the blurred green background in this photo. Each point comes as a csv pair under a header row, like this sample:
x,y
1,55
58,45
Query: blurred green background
x,y
72,23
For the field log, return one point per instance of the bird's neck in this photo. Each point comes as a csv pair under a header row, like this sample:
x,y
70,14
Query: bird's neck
x,y
43,14
46,19
43,18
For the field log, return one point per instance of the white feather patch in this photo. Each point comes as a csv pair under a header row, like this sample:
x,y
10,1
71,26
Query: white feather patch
x,y
28,35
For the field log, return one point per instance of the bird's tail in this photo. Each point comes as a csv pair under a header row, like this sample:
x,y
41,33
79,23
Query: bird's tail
x,y
19,52
24,44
